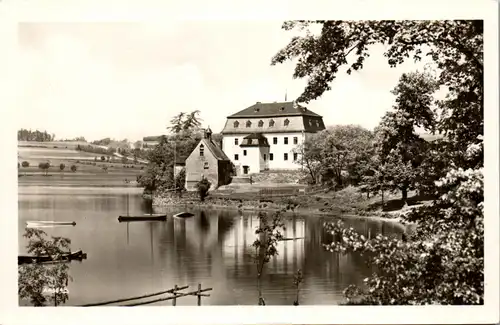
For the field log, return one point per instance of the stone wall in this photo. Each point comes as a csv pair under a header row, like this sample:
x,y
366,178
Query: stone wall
x,y
192,198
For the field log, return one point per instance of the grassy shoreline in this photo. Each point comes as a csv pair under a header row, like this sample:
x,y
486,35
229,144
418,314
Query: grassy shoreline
x,y
347,202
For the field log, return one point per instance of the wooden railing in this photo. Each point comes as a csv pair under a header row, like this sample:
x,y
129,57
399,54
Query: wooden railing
x,y
172,294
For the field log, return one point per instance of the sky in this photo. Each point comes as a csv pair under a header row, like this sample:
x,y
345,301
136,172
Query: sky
x,y
127,80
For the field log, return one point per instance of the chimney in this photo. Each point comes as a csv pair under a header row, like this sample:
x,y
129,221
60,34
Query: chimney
x,y
208,134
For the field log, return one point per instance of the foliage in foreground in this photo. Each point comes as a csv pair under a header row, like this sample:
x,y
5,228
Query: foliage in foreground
x,y
442,262
268,235
43,283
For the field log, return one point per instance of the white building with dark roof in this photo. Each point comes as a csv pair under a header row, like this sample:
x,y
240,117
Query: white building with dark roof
x,y
264,136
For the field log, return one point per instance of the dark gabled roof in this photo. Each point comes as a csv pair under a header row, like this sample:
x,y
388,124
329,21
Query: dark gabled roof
x,y
152,138
261,140
274,109
255,136
214,149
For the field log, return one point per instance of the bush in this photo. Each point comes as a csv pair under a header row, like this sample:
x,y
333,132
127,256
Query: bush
x,y
103,158
25,164
73,168
203,186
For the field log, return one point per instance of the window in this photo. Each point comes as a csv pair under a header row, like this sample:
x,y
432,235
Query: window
x,y
244,152
261,123
317,123
275,140
271,156
202,148
295,156
236,141
310,122
236,124
265,157
285,139
271,123
236,157
295,140
285,156
249,141
205,165
249,124
287,121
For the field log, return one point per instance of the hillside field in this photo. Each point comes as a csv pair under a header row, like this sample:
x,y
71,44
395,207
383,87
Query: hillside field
x,y
90,172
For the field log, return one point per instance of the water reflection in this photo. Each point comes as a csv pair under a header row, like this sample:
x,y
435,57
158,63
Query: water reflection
x,y
213,248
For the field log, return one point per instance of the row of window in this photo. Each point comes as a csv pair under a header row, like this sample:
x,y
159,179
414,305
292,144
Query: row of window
x,y
271,156
275,140
260,124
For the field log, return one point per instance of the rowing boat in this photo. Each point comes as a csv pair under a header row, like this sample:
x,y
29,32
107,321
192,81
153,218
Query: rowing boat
x,y
25,259
145,217
183,215
50,223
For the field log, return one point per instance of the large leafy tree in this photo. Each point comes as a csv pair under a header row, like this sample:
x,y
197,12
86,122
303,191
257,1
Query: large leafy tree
x,y
345,149
446,249
337,154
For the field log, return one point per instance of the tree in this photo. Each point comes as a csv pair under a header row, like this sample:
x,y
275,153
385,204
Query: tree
x,y
35,279
203,186
309,156
159,174
61,167
177,123
447,261
73,168
25,164
446,249
44,166
337,154
344,149
192,121
268,235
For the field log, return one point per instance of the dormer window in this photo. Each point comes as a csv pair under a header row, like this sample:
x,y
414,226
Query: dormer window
x,y
236,124
249,124
261,123
271,123
202,148
287,121
282,108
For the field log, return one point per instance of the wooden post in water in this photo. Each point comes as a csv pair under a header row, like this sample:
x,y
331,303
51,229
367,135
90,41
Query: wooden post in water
x,y
174,301
199,294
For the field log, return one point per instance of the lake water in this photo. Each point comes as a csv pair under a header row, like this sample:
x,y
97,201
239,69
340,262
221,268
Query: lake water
x,y
212,248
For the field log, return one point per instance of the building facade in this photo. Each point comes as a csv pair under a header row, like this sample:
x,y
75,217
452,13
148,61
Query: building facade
x,y
208,161
264,136
150,142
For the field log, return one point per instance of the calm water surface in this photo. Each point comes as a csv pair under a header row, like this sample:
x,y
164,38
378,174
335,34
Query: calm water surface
x,y
212,248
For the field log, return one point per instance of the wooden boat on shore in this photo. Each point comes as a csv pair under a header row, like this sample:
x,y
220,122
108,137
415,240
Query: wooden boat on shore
x,y
145,217
50,223
183,215
26,259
